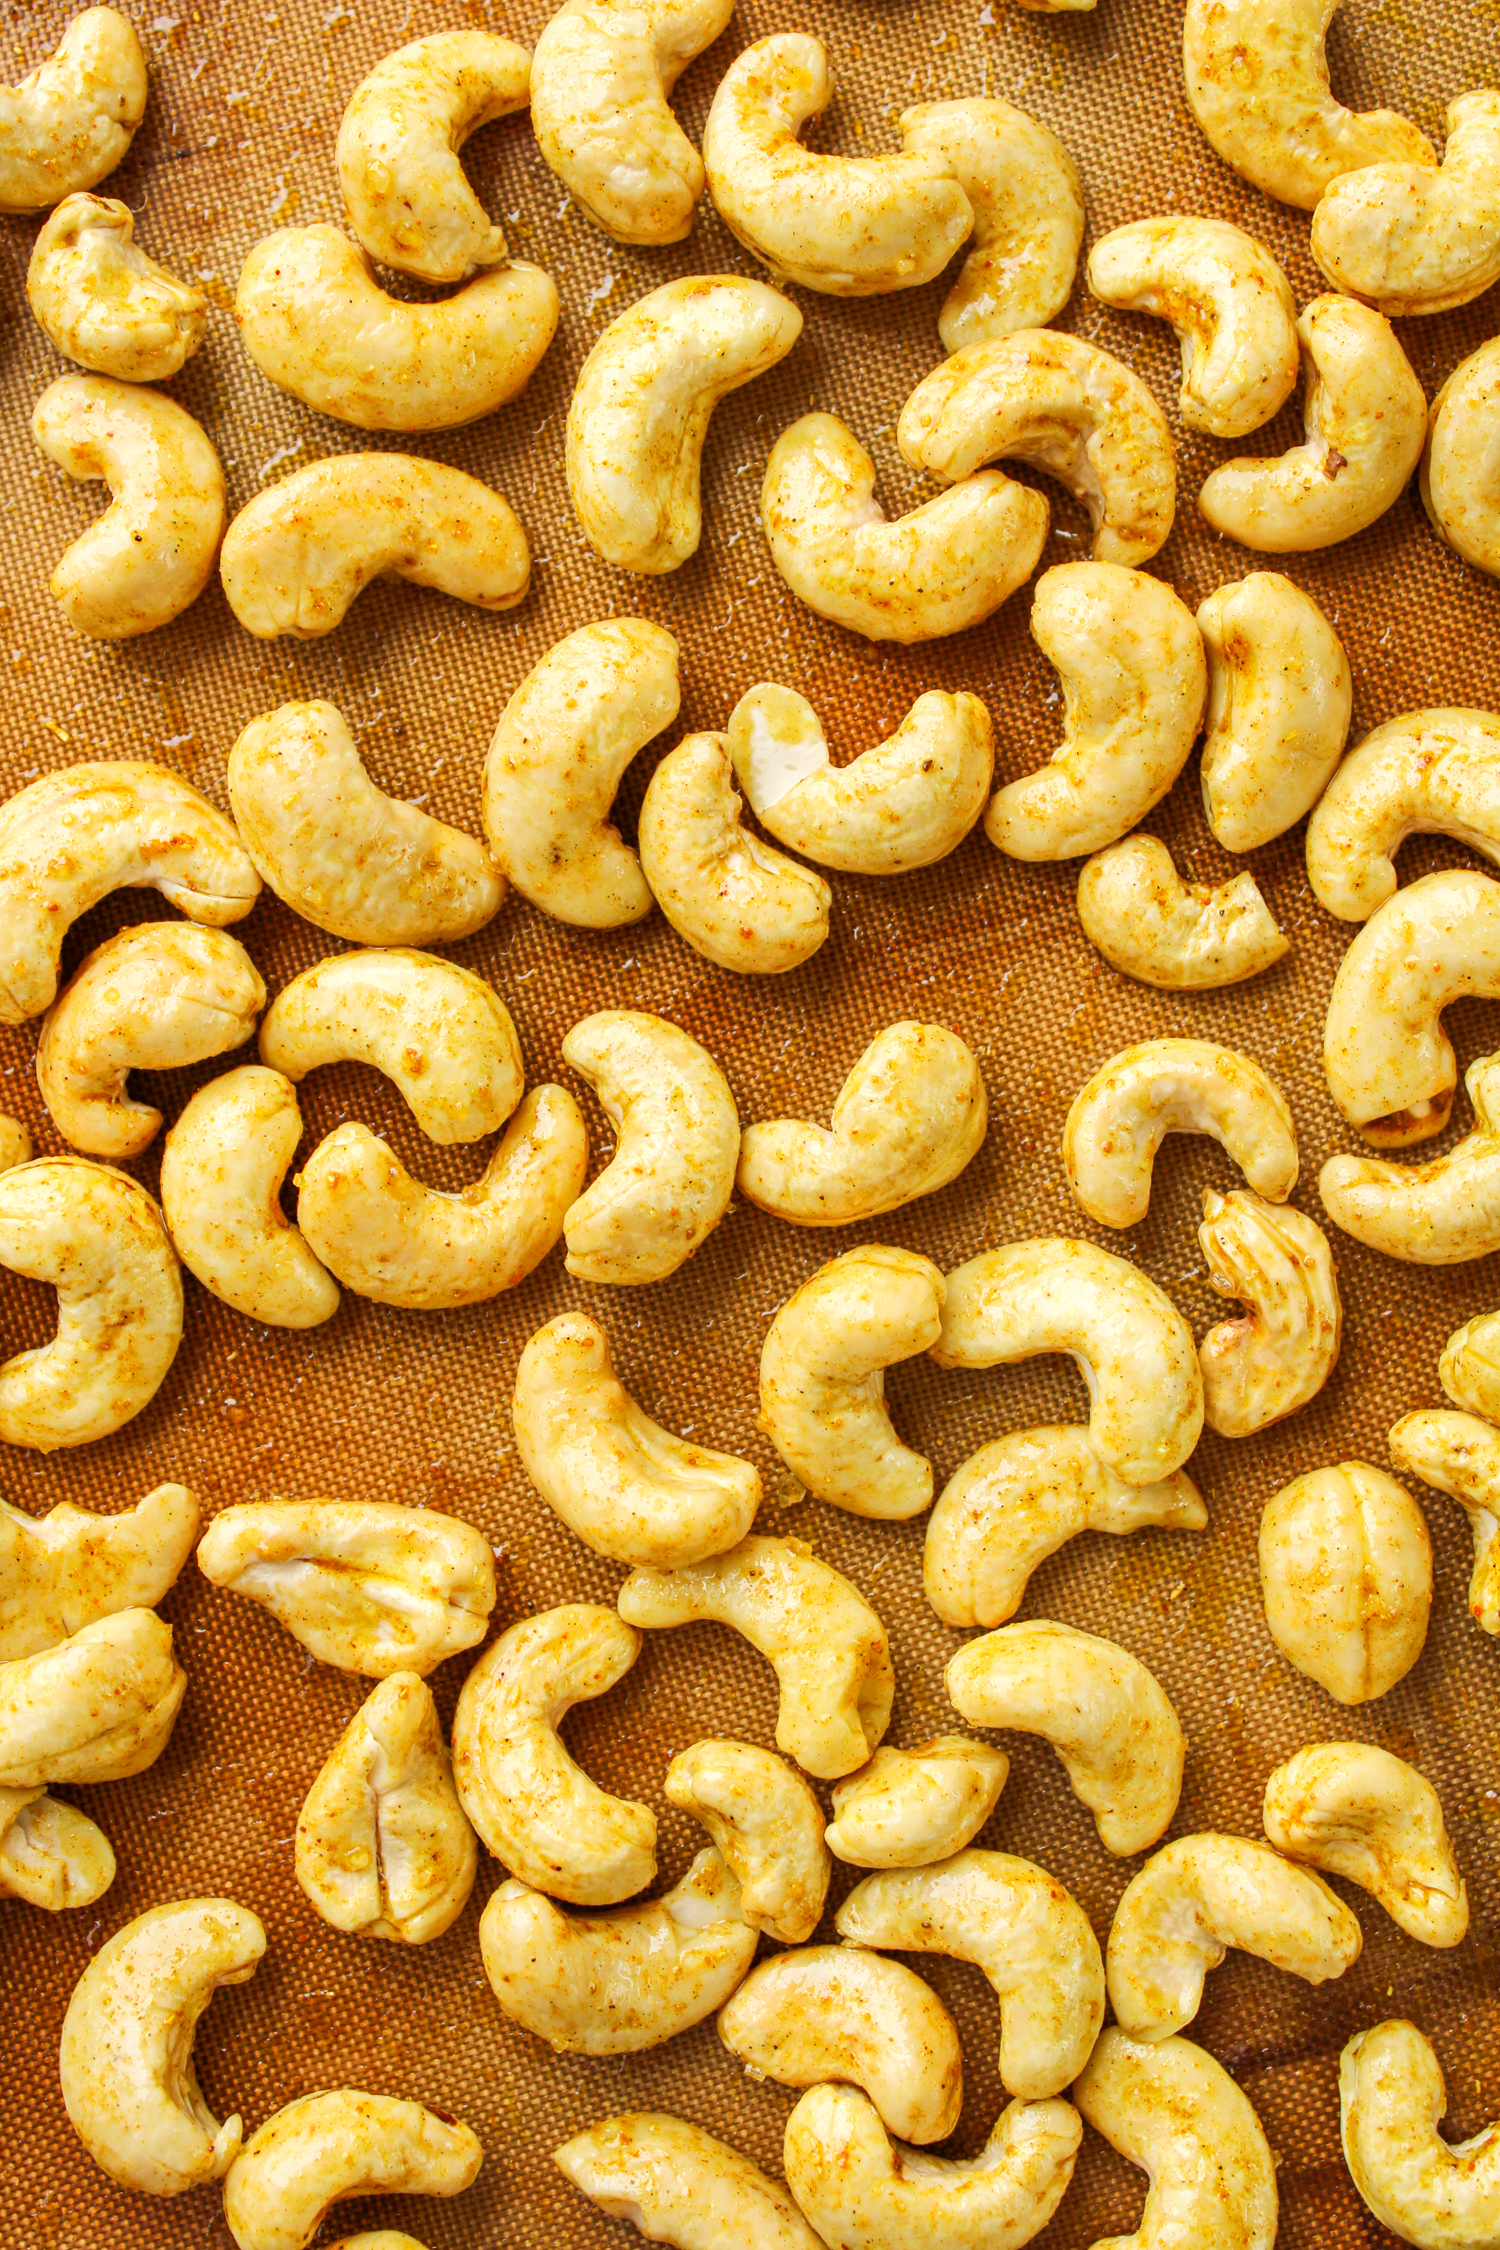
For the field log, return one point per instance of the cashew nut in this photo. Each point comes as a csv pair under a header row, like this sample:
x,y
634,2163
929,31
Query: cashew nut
x,y
1170,2108
1428,773
97,1707
678,2184
1276,1261
1119,1120
1279,697
1469,1369
295,558
103,302
1346,1574
1460,1455
67,1569
1437,1214
909,1808
1442,2194
70,121
1131,1344
1183,937
372,1586
15,1143
1104,1714
1460,479
1412,240
824,1642
126,2064
768,1828
51,1855
324,2147
1027,200
537,1811
1358,1812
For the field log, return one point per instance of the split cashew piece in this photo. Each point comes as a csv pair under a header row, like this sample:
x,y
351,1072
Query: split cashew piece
x,y
324,2147
1119,1120
538,1812
98,1707
1182,937
616,1984
641,407
151,553
1460,1455
846,226
1442,2194
295,558
670,1179
1069,408
1192,1901
51,1855
372,1586
1030,1937
841,2012
620,1482
563,742
1412,240
103,302
1279,697
222,1166
734,900
1104,1714
1171,2109
766,1825
678,2184
1346,1573
1469,1369
1134,681
405,194
1131,1344
903,803
383,1849
70,121
344,855
822,1379
1017,1501
939,569
1428,773
826,1645
909,1808
1358,1812
156,996
98,1238
1437,1214
1460,479
1366,422
1277,1261
69,1568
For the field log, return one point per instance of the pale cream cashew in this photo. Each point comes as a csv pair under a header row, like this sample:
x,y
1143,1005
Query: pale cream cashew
x,y
296,557
1437,1214
15,1143
1427,773
767,1826
1027,200
156,996
70,121
1460,477
1119,1120
1411,240
939,569
678,2184
126,2064
222,1165
1134,681
1365,420
372,1586
617,1983
1469,1369
98,1238
1277,1261
822,1379
67,1569
1192,1901
1129,1341
51,1855
847,226
1359,1812
563,742
1346,1575
151,553
324,2147
383,2238
1067,407
383,1849
1170,2108
1442,2194
1017,1501
538,1812
103,302
826,1645
1460,1455
97,1707
1104,1714
1279,697
908,1808
1183,937
670,1179
842,2012
903,803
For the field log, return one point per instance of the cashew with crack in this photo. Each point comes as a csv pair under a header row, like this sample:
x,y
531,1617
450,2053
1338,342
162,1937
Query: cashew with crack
x,y
69,1568
1442,2194
1427,773
97,1707
1346,1575
1356,1811
71,120
1460,475
1119,1120
1182,937
1469,1369
1280,693
1437,1214
1027,199
103,302
1275,1260
222,1166
326,2146
909,1808
51,1855
678,2184
1411,240
1460,1455
767,1827
1171,2109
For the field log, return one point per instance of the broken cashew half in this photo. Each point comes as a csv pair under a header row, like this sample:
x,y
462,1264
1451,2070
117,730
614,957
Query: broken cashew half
x,y
98,1707
678,2184
1119,1120
51,1855
1460,1455
1442,2194
1412,240
1346,1575
1181,937
767,1826
910,1808
69,1568
71,120
1427,773
1437,1214
1170,2108
1359,1812
103,302
1469,1369
324,2147
1460,479
222,1166
1280,693
1277,1261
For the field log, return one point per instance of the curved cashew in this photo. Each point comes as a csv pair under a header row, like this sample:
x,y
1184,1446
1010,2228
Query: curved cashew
x,y
826,1645
97,1707
1358,1812
1192,1901
1134,682
70,121
51,1855
1460,477
1027,200
767,1826
405,194
678,2184
538,1812
734,900
324,2147
1279,697
822,1379
1460,1455
1346,1575
1131,1344
295,558
1119,1120
1437,1214
1183,937
151,553
1170,2108
383,1849
67,1569
938,569
1428,773
1443,2194
1020,1498
222,1166
1104,1714
617,1983
372,1586
1068,408
563,742
103,302
1030,1937
1366,423
847,226
126,2065
901,804
909,1808
841,2012
1469,1369
1259,1370
1411,240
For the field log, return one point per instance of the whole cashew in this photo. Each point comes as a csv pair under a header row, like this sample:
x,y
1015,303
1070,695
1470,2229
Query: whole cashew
x,y
1411,240
1443,2194
70,121
222,1166
1468,1367
97,1707
1460,477
1279,697
69,1568
1460,1455
1346,1573
1427,773
679,2184
1437,1214
1356,1811
1119,1120
1272,1258
324,2147
1182,937
767,1826
1027,200
51,1855
910,1808
103,302
1170,2108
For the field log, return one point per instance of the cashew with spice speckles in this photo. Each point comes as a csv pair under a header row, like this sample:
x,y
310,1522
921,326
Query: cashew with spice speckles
x,y
51,1855
767,1825
1437,1214
1431,772
67,1569
1356,1811
97,1707
1119,1120
1170,2108
1279,697
70,121
1182,937
1027,199
1346,1573
1460,1455
222,1166
909,1808
324,2147
103,302
1460,477
15,1143
383,2238
678,2184
1277,1261
1412,240
1442,2194
1469,1369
